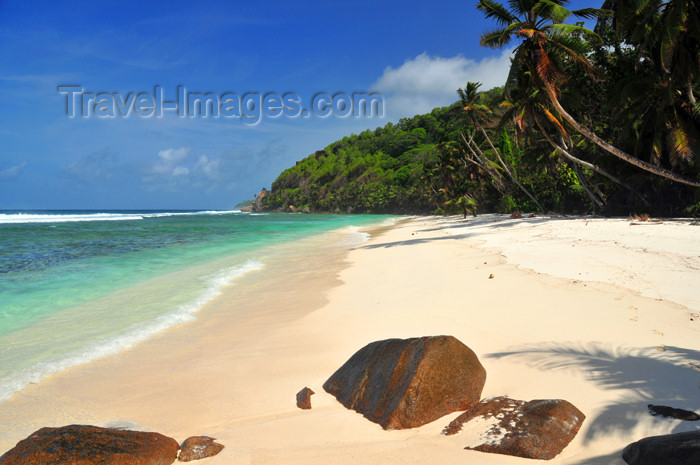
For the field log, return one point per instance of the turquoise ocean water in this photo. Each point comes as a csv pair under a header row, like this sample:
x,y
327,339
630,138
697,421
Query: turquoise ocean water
x,y
77,285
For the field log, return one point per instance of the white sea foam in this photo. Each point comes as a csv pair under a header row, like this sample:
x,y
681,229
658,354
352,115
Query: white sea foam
x,y
354,236
204,212
16,218
130,337
65,218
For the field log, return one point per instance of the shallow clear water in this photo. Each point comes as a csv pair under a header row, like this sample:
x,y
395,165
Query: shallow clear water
x,y
75,286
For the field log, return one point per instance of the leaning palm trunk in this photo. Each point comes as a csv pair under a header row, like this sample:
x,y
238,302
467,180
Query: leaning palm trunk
x,y
508,171
595,199
590,135
484,163
591,166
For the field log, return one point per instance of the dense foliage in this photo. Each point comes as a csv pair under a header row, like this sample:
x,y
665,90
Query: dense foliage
x,y
375,171
603,121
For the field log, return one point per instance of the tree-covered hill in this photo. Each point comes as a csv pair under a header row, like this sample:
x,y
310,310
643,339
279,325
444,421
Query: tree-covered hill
x,y
375,171
412,167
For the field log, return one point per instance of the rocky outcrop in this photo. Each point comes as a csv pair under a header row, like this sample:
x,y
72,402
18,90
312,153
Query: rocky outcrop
x,y
304,398
671,412
539,429
257,205
669,449
91,445
198,447
405,383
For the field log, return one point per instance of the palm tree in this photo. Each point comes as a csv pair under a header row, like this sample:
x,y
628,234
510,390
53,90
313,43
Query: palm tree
x,y
479,116
479,159
448,181
667,30
545,42
660,94
657,120
527,108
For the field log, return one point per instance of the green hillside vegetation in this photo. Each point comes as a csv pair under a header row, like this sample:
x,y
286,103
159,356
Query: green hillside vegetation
x,y
376,171
602,121
409,168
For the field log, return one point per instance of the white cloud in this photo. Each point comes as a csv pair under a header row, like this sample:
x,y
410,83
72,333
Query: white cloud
x,y
426,82
181,171
209,168
173,155
168,162
13,172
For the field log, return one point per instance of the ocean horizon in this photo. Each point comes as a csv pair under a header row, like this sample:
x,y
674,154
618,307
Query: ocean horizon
x,y
78,285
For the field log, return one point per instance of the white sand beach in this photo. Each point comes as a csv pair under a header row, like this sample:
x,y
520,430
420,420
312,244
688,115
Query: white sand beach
x,y
600,312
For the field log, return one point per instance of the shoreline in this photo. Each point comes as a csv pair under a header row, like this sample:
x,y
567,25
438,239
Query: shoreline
x,y
72,322
229,307
235,378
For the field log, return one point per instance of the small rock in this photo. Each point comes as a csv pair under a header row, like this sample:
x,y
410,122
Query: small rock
x,y
198,447
91,445
539,429
304,398
669,449
670,412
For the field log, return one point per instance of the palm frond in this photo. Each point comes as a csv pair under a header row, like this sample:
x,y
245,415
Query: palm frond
x,y
673,25
495,39
530,33
552,11
571,44
516,68
592,13
552,119
641,6
544,67
679,143
521,7
496,11
666,53
574,30
656,150
472,89
565,45
519,119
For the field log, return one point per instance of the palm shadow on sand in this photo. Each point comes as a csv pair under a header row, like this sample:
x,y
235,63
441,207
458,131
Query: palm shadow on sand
x,y
650,376
610,459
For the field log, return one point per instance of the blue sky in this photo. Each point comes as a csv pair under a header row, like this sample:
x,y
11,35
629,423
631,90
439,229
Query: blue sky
x,y
416,54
